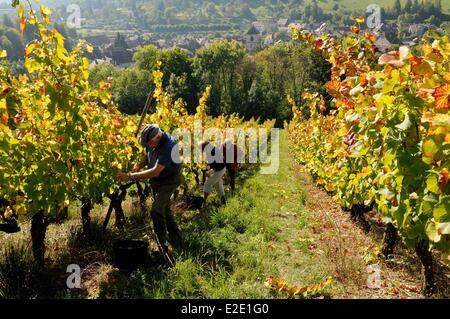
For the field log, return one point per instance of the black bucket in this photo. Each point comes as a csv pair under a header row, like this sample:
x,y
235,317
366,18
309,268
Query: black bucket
x,y
130,254
193,202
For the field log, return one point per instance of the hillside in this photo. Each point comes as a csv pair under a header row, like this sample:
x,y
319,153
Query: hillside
x,y
130,14
254,5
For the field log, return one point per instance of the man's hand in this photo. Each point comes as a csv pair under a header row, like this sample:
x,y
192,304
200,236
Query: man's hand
x,y
136,177
123,177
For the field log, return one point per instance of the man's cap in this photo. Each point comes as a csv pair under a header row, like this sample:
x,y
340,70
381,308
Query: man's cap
x,y
148,132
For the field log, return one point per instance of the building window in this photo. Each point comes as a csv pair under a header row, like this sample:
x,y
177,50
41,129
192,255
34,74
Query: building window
x,y
251,38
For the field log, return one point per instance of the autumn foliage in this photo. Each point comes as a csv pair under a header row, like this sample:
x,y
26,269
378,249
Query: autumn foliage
x,y
386,140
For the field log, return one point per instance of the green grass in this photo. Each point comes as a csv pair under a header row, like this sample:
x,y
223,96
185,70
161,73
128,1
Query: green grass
x,y
231,250
15,268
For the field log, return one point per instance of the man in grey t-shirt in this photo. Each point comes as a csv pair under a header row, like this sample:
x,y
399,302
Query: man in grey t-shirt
x,y
163,160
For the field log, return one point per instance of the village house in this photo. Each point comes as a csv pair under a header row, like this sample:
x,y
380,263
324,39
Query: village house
x,y
260,26
282,36
251,39
120,57
96,62
100,41
269,40
95,54
204,42
164,43
382,42
390,29
265,25
189,44
283,24
134,42
99,44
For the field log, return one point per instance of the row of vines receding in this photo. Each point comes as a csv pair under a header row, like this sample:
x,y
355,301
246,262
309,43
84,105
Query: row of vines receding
x,y
384,142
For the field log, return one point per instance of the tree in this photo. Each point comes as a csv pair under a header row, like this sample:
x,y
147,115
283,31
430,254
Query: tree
x,y
120,41
130,89
397,9
179,76
315,10
177,68
146,57
409,7
211,10
12,42
246,13
170,13
8,22
438,5
289,69
104,72
264,99
30,33
217,65
415,7
160,6
5,44
446,28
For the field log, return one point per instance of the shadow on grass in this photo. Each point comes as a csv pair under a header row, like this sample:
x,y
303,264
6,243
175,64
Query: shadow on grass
x,y
16,272
21,278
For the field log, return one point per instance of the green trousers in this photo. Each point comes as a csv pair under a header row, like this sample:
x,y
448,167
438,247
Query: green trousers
x,y
163,221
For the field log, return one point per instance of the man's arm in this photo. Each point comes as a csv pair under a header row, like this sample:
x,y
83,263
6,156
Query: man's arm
x,y
148,174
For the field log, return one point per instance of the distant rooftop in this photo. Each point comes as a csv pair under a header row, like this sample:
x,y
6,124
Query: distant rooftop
x,y
252,31
98,40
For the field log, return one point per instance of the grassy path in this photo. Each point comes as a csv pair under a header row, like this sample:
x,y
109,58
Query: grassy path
x,y
263,231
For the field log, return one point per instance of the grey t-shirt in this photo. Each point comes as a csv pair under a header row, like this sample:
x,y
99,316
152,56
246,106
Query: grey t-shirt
x,y
167,153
